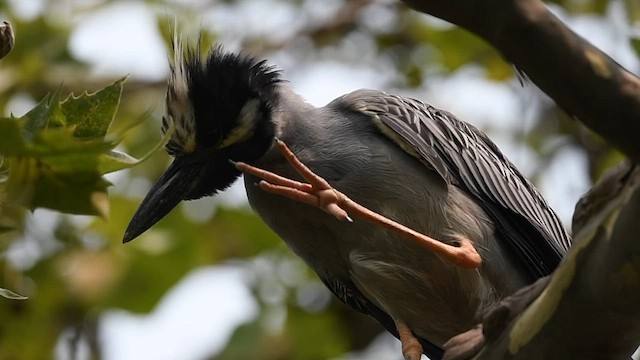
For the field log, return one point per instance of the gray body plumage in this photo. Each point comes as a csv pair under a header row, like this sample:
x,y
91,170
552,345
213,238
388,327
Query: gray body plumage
x,y
399,157
436,298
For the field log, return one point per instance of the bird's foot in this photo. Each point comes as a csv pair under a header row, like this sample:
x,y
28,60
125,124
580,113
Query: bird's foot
x,y
411,348
318,192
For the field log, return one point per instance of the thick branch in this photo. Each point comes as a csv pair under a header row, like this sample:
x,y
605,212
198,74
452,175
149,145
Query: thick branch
x,y
589,308
581,79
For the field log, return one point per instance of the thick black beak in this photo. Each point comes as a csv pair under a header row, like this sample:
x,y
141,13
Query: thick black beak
x,y
172,187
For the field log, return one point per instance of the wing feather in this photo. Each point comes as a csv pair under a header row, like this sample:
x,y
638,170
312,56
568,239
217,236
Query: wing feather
x,y
465,157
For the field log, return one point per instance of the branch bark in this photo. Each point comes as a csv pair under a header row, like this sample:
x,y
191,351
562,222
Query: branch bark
x,y
588,308
580,78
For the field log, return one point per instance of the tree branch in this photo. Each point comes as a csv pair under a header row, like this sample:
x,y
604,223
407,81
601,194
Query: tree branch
x,y
589,308
580,78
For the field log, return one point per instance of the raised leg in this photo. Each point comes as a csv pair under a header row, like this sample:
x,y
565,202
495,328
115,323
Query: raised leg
x,y
319,193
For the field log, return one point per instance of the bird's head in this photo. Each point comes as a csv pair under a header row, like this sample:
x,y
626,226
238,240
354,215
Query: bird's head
x,y
221,107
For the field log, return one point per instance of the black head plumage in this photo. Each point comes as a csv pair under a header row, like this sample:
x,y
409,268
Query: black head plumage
x,y
222,108
221,105
207,96
221,85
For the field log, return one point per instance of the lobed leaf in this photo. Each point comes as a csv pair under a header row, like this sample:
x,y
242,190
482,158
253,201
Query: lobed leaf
x,y
11,295
58,152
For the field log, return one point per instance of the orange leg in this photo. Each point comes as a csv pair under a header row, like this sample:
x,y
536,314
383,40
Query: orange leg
x,y
411,348
319,193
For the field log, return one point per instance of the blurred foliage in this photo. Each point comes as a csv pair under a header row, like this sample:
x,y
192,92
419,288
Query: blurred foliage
x,y
74,268
57,153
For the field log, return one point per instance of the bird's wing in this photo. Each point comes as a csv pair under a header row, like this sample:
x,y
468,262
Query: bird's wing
x,y
465,157
348,293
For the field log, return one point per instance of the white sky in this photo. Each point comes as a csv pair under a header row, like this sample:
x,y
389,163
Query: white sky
x,y
121,39
193,320
199,314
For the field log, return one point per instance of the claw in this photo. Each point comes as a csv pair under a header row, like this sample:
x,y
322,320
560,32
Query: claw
x,y
319,193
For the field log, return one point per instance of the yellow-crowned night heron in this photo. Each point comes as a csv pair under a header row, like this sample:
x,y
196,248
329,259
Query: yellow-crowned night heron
x,y
394,155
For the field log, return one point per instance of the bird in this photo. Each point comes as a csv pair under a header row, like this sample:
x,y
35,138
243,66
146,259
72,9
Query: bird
x,y
414,164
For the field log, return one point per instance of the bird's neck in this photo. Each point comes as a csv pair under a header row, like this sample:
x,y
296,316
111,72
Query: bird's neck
x,y
290,109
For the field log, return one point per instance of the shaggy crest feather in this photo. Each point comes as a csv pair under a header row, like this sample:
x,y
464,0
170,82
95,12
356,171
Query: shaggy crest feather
x,y
208,98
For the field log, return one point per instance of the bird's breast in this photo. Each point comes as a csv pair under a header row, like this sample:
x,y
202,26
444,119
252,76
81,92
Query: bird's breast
x,y
400,276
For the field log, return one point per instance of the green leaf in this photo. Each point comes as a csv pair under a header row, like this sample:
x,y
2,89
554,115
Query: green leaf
x,y
5,229
12,142
115,160
92,114
33,183
635,44
38,134
11,295
633,11
58,152
39,117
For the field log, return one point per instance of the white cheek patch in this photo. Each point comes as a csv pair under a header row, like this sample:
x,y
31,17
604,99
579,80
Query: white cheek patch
x,y
188,141
246,124
181,113
179,71
183,139
179,108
